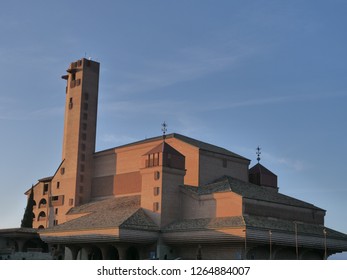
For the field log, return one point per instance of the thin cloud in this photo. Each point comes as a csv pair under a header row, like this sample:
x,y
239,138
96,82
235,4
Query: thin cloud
x,y
115,140
187,64
270,100
21,115
295,164
143,107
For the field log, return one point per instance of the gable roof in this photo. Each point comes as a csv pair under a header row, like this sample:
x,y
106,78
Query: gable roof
x,y
249,190
191,141
259,168
122,212
164,148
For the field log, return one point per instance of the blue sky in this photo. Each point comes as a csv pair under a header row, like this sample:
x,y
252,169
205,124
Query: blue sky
x,y
237,74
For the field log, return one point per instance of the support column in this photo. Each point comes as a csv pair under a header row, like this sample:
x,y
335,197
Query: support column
x,y
73,251
20,243
122,251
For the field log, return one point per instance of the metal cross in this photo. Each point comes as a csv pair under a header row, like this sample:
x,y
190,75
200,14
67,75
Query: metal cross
x,y
164,129
258,153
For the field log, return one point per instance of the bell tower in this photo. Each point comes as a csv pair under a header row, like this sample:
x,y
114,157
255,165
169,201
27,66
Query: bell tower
x,y
82,82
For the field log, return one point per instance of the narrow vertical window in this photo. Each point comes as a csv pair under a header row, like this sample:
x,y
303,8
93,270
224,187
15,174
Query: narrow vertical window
x,y
155,206
156,175
156,191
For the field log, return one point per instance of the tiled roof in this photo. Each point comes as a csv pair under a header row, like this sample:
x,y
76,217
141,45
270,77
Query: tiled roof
x,y
205,146
249,190
258,168
164,148
199,144
46,179
123,212
252,222
289,226
206,223
18,230
119,203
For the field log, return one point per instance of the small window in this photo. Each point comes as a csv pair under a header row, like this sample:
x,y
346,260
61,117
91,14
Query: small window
x,y
55,222
58,185
156,175
156,191
62,170
85,116
155,206
42,203
42,216
56,211
45,188
70,103
83,157
84,126
70,201
82,167
81,178
85,106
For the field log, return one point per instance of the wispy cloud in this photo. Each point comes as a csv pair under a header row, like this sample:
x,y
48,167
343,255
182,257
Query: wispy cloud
x,y
179,107
187,64
115,140
18,114
295,164
252,102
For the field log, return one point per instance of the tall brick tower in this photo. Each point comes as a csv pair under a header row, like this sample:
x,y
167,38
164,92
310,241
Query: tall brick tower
x,y
79,131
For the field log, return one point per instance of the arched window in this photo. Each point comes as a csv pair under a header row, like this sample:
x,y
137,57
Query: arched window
x,y
43,203
42,216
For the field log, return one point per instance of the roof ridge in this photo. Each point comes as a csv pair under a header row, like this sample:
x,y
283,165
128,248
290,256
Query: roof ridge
x,y
192,141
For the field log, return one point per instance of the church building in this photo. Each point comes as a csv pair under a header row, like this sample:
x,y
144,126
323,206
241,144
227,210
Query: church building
x,y
167,197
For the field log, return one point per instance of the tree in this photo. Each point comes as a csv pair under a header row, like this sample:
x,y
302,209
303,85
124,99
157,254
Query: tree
x,y
27,221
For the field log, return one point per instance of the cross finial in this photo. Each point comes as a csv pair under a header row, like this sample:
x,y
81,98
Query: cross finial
x,y
258,153
164,129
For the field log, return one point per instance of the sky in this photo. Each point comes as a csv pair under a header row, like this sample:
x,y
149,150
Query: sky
x,y
237,74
